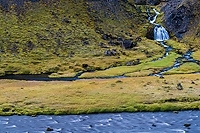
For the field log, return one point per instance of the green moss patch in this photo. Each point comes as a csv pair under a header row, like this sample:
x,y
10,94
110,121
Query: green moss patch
x,y
119,71
185,68
196,55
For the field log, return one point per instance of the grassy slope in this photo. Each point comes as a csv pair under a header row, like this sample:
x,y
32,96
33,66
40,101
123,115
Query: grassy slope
x,y
99,95
62,36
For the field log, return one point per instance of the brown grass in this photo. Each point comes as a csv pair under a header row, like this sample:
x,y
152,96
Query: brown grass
x,y
99,95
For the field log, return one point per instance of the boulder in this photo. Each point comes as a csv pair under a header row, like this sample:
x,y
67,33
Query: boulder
x,y
150,32
127,44
107,53
113,52
130,63
110,53
179,86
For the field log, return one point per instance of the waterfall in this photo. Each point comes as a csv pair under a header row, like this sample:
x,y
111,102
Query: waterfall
x,y
160,33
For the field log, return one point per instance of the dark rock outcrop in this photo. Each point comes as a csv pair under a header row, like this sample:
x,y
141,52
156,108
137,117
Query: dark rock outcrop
x,y
179,86
150,33
130,63
110,53
127,44
179,15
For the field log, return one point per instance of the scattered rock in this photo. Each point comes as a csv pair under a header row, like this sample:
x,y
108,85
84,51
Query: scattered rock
x,y
179,86
101,44
187,124
154,125
107,53
111,43
130,63
117,43
193,82
104,37
119,81
66,21
127,44
119,39
84,65
86,42
161,77
49,129
139,39
113,52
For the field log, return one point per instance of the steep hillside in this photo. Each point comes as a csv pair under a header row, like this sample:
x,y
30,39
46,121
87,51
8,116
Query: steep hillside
x,y
181,17
73,36
65,37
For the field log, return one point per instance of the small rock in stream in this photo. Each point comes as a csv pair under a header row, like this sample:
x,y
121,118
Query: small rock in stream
x,y
187,125
154,125
49,129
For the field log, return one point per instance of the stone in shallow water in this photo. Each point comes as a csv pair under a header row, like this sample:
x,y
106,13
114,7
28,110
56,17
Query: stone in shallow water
x,y
187,125
49,129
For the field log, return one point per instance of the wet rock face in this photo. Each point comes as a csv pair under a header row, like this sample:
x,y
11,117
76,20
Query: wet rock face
x,y
178,15
150,33
178,21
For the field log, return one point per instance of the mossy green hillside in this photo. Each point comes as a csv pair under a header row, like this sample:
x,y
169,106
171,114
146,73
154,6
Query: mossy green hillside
x,y
62,36
99,95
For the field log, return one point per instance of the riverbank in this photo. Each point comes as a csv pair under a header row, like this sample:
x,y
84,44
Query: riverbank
x,y
100,95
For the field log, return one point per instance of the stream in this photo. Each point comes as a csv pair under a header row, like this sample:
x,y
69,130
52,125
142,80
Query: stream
x,y
140,122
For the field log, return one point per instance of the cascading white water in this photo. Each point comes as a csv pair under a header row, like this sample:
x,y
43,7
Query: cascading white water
x,y
160,33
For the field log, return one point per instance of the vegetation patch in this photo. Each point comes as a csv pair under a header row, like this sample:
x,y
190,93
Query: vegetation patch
x,y
99,95
119,71
185,68
196,55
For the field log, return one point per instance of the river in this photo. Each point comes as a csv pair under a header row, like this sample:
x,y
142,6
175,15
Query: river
x,y
140,122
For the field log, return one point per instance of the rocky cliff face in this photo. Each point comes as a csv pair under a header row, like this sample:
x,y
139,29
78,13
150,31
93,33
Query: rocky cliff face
x,y
180,16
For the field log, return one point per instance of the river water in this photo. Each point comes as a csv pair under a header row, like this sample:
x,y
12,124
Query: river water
x,y
140,122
